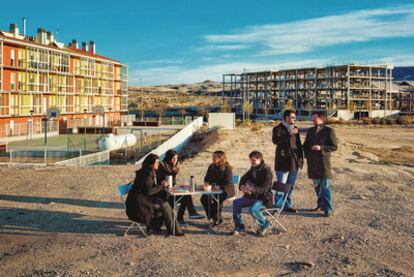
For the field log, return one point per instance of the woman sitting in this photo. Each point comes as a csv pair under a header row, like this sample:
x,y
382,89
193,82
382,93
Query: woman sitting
x,y
147,200
169,168
219,176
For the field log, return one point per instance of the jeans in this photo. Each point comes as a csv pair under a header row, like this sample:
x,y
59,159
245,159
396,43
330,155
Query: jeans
x,y
288,177
256,210
323,191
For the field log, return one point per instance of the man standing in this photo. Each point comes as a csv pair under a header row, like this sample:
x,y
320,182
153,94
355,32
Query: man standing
x,y
289,156
320,141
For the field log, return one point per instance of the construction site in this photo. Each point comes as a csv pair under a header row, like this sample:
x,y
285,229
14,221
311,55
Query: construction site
x,y
345,91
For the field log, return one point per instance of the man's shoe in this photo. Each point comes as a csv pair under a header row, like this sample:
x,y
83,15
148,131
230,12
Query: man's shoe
x,y
263,231
196,216
317,209
179,234
238,232
182,223
213,226
328,214
290,210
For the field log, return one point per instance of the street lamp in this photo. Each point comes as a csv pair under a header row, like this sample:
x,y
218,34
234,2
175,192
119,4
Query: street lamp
x,y
142,100
31,124
112,118
84,129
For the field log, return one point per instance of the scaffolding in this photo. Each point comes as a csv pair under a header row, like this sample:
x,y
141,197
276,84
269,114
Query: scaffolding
x,y
356,88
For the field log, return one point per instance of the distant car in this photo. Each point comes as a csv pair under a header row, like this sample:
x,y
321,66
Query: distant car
x,y
263,120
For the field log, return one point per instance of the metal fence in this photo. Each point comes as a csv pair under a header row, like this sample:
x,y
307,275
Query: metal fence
x,y
27,130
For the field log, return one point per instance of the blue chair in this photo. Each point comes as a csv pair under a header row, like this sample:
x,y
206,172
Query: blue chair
x,y
235,180
123,192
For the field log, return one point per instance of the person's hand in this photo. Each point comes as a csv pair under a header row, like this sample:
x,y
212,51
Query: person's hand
x,y
165,183
316,148
294,131
250,190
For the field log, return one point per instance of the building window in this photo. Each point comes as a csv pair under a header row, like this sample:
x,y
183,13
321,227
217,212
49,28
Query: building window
x,y
12,81
12,56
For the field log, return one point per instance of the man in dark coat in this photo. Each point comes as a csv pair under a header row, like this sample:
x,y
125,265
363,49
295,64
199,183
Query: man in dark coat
x,y
320,141
288,156
256,186
147,199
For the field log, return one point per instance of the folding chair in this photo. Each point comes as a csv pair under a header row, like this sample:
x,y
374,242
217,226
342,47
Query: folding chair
x,y
274,213
122,192
235,180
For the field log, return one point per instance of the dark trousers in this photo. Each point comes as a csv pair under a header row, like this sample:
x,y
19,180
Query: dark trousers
x,y
186,202
210,205
163,212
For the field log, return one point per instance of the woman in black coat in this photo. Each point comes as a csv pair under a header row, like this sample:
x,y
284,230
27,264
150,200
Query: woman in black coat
x,y
147,200
219,174
169,168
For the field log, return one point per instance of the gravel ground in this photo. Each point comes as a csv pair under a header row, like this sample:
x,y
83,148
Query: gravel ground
x,y
59,221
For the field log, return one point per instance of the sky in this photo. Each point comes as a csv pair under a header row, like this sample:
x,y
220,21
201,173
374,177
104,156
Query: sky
x,y
170,42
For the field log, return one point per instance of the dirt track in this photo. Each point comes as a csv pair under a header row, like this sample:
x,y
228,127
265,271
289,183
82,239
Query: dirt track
x,y
68,221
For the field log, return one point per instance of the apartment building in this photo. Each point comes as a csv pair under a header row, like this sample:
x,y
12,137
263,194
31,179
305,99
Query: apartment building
x,y
343,90
38,72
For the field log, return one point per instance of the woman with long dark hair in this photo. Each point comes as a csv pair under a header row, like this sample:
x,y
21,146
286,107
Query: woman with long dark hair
x,y
147,200
219,175
169,167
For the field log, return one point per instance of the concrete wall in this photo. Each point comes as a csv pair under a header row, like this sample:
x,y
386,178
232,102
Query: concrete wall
x,y
178,141
345,115
225,120
381,113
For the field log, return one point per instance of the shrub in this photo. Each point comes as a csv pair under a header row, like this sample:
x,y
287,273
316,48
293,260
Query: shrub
x,y
376,120
256,127
367,120
247,122
389,120
405,119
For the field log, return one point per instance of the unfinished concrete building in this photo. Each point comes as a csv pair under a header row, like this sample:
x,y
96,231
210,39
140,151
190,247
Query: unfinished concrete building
x,y
345,91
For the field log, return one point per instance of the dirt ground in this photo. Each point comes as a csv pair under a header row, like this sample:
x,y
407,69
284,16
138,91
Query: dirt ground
x,y
69,221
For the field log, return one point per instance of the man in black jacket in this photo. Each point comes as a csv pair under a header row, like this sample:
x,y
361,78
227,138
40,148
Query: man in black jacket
x,y
256,186
288,156
320,141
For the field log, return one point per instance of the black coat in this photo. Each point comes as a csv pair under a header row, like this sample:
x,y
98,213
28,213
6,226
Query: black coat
x,y
222,178
139,202
288,153
263,183
319,162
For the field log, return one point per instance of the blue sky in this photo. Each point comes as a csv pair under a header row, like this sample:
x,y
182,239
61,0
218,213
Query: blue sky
x,y
191,41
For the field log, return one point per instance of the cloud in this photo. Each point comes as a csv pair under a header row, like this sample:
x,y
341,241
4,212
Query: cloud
x,y
181,74
307,35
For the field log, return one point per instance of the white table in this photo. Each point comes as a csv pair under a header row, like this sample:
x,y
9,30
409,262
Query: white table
x,y
178,194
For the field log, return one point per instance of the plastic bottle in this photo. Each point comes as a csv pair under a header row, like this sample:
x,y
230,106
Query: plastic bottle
x,y
192,183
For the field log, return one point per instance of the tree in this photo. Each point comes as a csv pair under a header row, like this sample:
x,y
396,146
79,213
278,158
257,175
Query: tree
x,y
288,105
226,107
247,108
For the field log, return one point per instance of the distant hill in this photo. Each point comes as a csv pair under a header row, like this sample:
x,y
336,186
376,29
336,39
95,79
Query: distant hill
x,y
204,88
403,73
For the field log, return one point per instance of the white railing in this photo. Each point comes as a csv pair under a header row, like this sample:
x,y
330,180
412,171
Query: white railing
x,y
91,159
178,141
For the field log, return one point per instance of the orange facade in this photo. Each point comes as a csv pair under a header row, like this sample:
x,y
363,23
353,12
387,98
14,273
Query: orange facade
x,y
35,77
